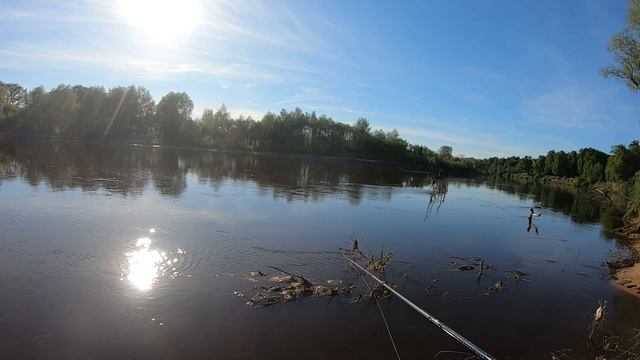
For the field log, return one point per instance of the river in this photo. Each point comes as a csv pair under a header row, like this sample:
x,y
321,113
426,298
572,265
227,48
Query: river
x,y
135,252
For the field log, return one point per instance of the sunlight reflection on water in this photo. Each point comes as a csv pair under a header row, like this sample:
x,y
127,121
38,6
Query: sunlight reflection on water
x,y
146,264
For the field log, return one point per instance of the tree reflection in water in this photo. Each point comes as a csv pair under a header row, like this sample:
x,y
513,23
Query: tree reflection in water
x,y
127,170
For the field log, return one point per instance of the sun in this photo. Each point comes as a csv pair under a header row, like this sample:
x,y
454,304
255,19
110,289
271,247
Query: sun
x,y
162,21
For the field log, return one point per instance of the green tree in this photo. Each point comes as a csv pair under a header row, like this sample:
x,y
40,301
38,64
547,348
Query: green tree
x,y
591,164
14,94
174,113
216,127
362,127
445,152
625,47
550,162
623,163
58,111
538,165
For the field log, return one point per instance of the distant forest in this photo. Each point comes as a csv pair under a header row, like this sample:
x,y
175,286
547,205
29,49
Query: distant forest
x,y
130,114
587,165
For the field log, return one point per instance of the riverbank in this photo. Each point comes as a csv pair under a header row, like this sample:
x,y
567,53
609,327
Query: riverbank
x,y
547,179
624,267
606,193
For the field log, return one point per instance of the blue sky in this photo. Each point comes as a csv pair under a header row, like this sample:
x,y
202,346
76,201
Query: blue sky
x,y
490,78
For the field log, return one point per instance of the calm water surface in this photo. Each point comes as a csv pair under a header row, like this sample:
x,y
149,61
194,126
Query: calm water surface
x,y
132,252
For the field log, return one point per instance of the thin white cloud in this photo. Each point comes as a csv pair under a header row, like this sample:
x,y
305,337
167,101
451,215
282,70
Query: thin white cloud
x,y
483,145
11,14
579,107
235,39
307,97
261,24
47,57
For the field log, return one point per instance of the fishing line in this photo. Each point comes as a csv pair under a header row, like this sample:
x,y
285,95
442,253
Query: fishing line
x,y
386,325
464,341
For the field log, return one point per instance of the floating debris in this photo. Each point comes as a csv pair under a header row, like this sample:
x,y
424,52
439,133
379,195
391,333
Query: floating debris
x,y
282,278
379,264
378,291
471,263
257,273
294,287
259,300
429,287
319,290
354,244
499,285
376,264
517,276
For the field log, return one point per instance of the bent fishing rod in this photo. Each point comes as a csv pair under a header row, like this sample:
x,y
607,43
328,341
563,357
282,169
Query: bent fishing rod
x,y
464,341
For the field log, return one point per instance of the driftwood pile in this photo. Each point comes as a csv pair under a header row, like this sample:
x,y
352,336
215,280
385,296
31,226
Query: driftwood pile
x,y
285,286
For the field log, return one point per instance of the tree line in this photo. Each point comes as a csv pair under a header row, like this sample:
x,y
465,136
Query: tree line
x,y
588,165
130,114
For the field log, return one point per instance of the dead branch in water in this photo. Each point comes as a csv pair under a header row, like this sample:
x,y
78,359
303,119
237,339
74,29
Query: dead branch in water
x,y
294,286
481,269
376,264
437,195
304,282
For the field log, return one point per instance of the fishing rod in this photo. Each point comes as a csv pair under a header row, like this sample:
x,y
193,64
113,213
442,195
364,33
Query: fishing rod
x,y
464,341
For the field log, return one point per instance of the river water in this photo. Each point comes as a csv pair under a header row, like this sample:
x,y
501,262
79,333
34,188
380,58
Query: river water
x,y
135,252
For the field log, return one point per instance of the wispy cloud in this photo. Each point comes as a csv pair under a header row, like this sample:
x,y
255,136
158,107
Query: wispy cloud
x,y
47,57
483,145
11,14
236,39
265,24
478,99
308,97
579,107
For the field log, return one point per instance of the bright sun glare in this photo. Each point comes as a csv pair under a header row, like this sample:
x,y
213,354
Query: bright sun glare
x,y
162,21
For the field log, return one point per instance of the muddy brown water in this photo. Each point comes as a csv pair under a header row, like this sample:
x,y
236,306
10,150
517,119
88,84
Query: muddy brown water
x,y
135,252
